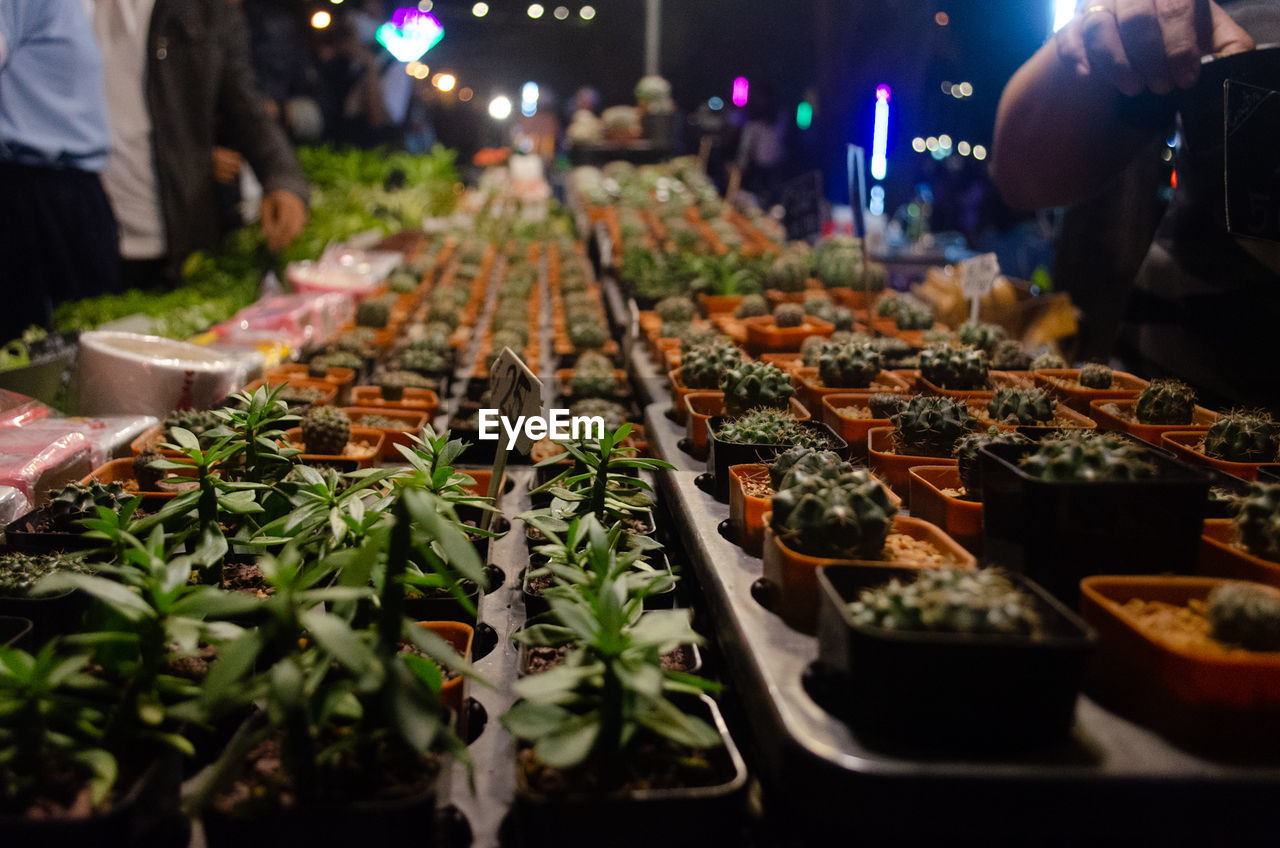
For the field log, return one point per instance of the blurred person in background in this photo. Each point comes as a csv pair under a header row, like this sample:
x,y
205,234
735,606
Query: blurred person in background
x,y
177,72
762,150
1074,118
57,233
351,96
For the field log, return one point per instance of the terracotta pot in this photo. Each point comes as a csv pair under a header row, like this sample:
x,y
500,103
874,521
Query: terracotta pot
x,y
811,389
746,512
796,574
678,393
893,468
453,692
328,390
717,304
345,461
1230,699
423,401
852,430
701,407
786,361
1065,418
121,471
915,338
910,376
962,519
763,336
995,380
1064,382
732,327
390,438
343,378
1201,419
1187,446
1219,557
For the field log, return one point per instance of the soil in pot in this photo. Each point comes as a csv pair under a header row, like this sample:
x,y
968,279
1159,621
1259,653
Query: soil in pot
x,y
535,660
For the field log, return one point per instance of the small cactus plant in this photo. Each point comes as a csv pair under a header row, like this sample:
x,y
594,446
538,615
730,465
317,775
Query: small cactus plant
x,y
930,426
788,315
1165,402
980,335
1048,359
593,377
587,335
1244,614
1021,406
848,366
393,384
704,366
838,263
967,459
423,360
885,405
801,461
20,571
950,600
1258,521
325,430
676,310
847,518
954,368
769,427
1243,436
1087,459
1095,375
74,500
752,306
913,316
748,385
789,272
373,313
1010,355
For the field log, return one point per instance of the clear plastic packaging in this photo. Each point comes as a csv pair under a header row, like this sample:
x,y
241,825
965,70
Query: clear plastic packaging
x,y
297,320
13,504
33,463
108,437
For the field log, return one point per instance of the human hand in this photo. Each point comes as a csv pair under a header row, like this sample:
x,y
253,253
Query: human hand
x,y
283,217
226,165
1148,44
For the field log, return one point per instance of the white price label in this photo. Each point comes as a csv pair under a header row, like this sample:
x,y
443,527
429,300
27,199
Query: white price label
x,y
978,275
516,393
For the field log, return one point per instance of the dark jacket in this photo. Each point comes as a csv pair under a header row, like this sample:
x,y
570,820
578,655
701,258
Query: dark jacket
x,y
200,82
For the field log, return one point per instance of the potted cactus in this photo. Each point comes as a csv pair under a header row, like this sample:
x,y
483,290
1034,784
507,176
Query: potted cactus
x,y
1238,443
842,366
1033,411
758,436
783,331
50,614
701,369
395,425
833,515
1091,381
399,390
1246,547
327,437
961,372
981,335
56,525
593,376
788,277
1086,504
963,634
744,385
1161,406
854,414
923,432
1198,658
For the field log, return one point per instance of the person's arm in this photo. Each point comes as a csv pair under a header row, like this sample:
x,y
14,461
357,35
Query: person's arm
x,y
1071,118
251,130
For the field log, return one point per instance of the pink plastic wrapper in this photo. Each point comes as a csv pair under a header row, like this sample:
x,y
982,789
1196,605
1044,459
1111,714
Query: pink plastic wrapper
x,y
108,437
16,409
13,505
297,320
33,463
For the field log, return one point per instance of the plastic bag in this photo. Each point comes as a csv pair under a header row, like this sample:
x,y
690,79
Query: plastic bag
x,y
33,463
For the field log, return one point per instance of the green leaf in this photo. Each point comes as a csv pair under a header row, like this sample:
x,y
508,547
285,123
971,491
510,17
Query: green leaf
x,y
337,638
570,743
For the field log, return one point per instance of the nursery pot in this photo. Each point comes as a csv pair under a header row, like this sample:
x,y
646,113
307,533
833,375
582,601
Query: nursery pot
x,y
1059,532
701,407
852,430
414,419
962,519
453,693
723,454
895,468
746,512
1188,445
951,690
812,391
1220,557
1065,384
1201,420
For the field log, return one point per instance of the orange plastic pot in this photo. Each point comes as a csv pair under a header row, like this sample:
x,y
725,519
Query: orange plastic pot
x,y
1065,383
893,468
718,304
678,393
961,519
915,338
786,361
459,636
1201,419
730,326
811,389
121,471
343,378
1219,557
856,299
701,407
424,401
796,575
329,392
746,512
415,420
910,376
852,430
763,336
995,380
1065,418
1230,699
1187,446
362,459
778,296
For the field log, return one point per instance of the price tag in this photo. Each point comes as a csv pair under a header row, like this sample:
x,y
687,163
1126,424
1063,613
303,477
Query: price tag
x,y
977,278
1252,160
516,393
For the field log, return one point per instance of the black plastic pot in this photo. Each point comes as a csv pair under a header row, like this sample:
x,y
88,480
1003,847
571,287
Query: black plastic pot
x,y
49,616
535,604
723,455
19,537
959,691
1057,533
693,817
15,632
441,606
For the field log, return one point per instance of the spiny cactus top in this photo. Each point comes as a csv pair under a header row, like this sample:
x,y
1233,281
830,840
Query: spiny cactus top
x,y
752,306
770,427
423,360
846,518
1243,436
1010,355
848,366
342,359
704,366
20,571
789,272
588,334
1098,459
1095,375
930,426
980,335
967,459
1021,406
950,600
954,368
803,460
373,313
74,498
911,315
325,431
1165,402
747,385
1048,359
884,405
788,315
839,263
1258,521
676,310
1245,614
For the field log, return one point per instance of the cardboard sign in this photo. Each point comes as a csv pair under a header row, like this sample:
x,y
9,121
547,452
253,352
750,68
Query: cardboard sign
x,y
516,392
1251,125
977,279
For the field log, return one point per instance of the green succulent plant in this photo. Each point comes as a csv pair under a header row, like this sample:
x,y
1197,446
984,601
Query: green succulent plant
x,y
1010,355
884,405
787,315
423,360
1244,614
748,385
789,272
21,571
1095,375
1243,436
676,310
75,499
838,262
325,431
980,335
913,316
593,381
950,600
848,366
811,349
588,335
770,427
847,518
393,383
1021,406
1165,402
197,421
966,454
1258,521
338,359
1048,359
752,306
930,426
1085,459
804,461
373,313
703,367
954,368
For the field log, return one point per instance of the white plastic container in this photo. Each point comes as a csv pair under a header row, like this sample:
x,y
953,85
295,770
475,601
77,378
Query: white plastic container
x,y
128,373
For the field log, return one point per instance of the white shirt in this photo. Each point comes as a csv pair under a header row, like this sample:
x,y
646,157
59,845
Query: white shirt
x,y
121,27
